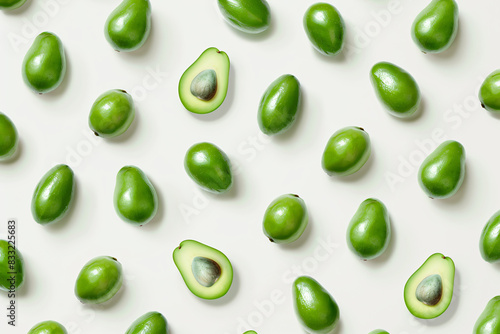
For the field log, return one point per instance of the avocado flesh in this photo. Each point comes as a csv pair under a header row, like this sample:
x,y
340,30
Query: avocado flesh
x,y
206,271
421,294
211,62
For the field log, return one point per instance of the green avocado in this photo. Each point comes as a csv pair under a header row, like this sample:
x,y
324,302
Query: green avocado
x,y
435,28
209,167
489,320
149,323
429,290
127,27
325,28
250,332
379,331
316,309
99,280
203,86
443,171
489,93
285,219
279,105
346,152
489,243
44,65
206,271
369,231
53,195
112,113
11,4
396,89
48,327
250,16
135,198
9,138
11,260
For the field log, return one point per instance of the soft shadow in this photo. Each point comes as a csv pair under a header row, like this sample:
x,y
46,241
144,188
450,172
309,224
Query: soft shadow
x,y
226,105
60,225
160,213
144,50
459,197
359,174
298,121
417,115
115,299
25,289
254,37
339,58
128,133
493,114
19,11
63,87
384,257
306,235
231,294
15,157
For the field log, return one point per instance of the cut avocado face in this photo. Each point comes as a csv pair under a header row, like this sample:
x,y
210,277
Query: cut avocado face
x,y
203,86
206,271
429,290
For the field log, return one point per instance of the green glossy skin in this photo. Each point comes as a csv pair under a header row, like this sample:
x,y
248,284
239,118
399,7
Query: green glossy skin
x,y
489,94
443,171
99,280
250,332
11,4
112,113
489,320
209,167
369,231
48,327
379,331
44,65
149,323
435,28
324,27
8,138
128,26
285,219
8,254
53,195
396,89
489,243
250,16
316,309
135,198
346,152
279,105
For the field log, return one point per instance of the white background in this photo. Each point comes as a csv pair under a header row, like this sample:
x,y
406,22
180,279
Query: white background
x,y
336,93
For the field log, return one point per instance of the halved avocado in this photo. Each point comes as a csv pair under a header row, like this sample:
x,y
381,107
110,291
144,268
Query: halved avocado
x,y
428,292
203,86
206,271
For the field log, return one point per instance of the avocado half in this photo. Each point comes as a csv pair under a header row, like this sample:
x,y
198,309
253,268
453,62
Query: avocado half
x,y
203,86
206,271
428,292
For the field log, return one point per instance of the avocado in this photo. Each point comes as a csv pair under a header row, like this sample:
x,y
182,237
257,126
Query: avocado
x,y
250,332
249,16
11,4
203,86
489,243
9,138
11,260
285,219
149,323
489,320
429,290
206,271
325,28
489,93
112,113
48,327
379,331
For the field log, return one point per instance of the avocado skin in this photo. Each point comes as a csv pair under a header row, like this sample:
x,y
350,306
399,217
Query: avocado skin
x,y
135,198
285,219
325,28
112,113
489,320
443,171
250,16
44,65
279,105
489,242
11,4
149,323
316,309
9,138
379,331
5,267
53,195
209,167
435,28
489,93
346,152
396,89
48,327
128,26
99,280
369,231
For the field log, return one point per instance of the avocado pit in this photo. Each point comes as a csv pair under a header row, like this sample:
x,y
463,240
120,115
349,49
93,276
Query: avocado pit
x,y
206,271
